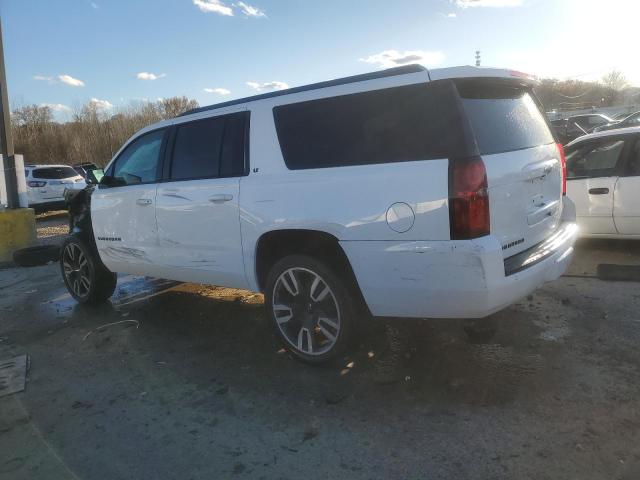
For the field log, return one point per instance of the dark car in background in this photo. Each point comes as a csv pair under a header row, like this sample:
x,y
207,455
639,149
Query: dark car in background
x,y
84,168
578,125
632,120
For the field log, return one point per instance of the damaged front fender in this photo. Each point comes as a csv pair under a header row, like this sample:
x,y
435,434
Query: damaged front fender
x,y
79,206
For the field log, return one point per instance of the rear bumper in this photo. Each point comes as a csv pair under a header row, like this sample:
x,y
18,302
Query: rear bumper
x,y
49,205
454,279
51,201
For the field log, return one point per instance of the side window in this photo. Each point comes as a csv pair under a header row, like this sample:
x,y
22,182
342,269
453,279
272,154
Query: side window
x,y
595,121
633,167
581,121
416,122
209,148
232,159
595,159
138,163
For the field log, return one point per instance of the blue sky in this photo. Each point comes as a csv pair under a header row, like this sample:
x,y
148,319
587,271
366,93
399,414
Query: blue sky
x,y
66,52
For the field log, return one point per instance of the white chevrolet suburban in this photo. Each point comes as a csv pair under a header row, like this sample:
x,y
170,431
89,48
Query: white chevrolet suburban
x,y
402,193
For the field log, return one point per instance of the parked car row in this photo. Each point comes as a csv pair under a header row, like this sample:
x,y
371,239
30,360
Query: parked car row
x,y
568,129
632,120
575,126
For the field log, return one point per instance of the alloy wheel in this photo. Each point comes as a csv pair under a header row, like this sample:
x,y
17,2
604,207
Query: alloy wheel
x,y
306,311
76,270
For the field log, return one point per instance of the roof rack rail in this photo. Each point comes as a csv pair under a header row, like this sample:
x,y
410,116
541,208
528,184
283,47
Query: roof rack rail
x,y
390,72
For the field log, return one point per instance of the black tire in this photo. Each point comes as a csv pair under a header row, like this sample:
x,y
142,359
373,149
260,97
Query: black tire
x,y
88,282
34,256
317,316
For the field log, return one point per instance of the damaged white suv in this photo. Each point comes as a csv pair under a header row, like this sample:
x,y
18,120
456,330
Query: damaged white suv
x,y
402,193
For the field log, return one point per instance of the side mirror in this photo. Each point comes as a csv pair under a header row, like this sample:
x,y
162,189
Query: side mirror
x,y
108,181
95,176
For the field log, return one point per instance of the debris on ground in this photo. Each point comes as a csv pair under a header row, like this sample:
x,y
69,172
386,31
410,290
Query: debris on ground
x,y
13,374
102,327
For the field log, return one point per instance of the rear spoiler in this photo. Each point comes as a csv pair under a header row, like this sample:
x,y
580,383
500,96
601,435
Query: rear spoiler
x,y
482,72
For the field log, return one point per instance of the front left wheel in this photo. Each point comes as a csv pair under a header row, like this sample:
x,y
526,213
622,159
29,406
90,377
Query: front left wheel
x,y
310,307
86,278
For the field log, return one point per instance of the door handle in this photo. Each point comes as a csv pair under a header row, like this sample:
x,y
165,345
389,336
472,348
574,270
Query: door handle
x,y
598,191
144,201
221,198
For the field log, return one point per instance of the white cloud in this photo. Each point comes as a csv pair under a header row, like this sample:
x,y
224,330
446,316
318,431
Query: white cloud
x,y
394,58
487,3
149,76
56,107
101,104
249,10
95,5
43,78
213,6
218,90
69,80
261,87
451,15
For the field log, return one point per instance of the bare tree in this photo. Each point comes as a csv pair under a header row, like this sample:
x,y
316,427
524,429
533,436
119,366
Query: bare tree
x,y
92,135
614,80
172,107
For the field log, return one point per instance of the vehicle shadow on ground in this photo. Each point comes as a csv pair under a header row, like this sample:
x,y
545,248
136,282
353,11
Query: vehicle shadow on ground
x,y
214,341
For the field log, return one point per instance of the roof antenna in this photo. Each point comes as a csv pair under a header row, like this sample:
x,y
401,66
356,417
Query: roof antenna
x,y
477,58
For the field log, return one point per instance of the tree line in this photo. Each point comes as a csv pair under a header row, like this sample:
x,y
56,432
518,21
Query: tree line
x,y
94,134
611,90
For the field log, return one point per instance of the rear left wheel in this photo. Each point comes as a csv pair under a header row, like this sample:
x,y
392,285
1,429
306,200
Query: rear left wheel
x,y
310,308
86,278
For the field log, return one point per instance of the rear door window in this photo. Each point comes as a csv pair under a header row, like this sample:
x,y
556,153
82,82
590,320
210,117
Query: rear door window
x,y
209,148
415,122
54,173
503,118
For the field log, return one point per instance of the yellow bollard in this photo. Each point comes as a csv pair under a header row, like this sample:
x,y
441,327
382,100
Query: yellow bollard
x,y
17,230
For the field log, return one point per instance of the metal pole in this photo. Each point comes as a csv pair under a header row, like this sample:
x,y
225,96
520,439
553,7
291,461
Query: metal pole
x,y
6,142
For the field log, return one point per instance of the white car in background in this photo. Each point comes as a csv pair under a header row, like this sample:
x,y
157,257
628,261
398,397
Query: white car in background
x,y
603,180
46,185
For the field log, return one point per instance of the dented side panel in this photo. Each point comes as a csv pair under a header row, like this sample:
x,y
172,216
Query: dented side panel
x,y
445,279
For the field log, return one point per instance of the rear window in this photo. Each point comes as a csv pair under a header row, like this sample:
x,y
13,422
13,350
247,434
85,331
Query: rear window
x,y
54,173
503,118
416,122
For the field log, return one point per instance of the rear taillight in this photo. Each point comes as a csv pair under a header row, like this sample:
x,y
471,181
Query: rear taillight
x,y
563,164
468,198
36,184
